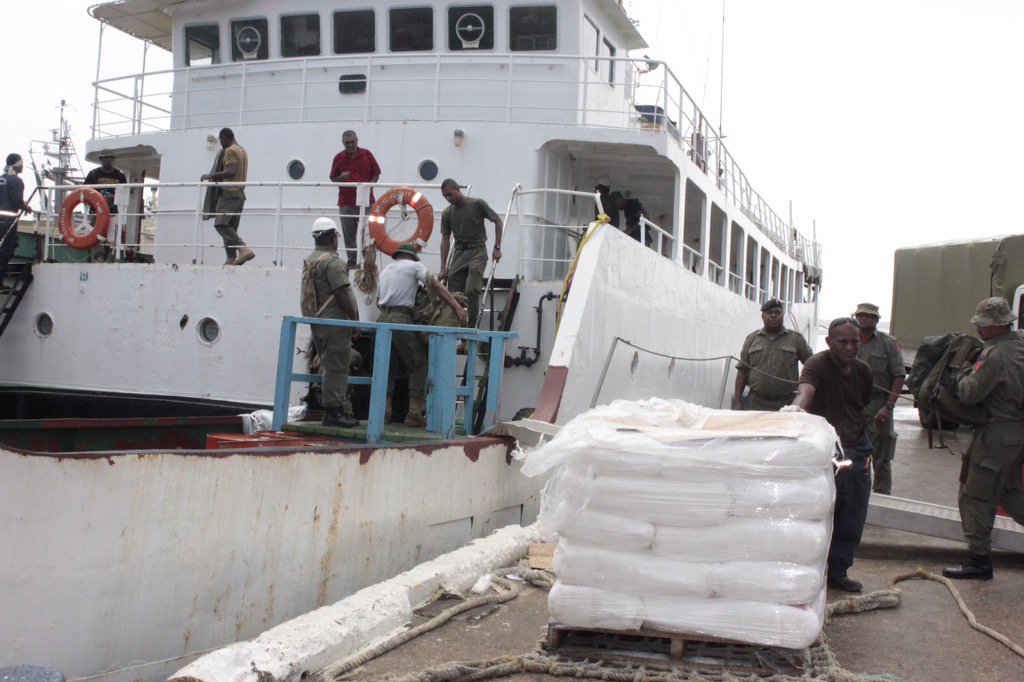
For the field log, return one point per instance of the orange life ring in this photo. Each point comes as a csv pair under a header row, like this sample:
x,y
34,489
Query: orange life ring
x,y
98,231
406,197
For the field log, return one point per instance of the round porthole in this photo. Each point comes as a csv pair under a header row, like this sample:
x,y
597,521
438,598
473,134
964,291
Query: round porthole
x,y
296,169
209,330
428,170
43,325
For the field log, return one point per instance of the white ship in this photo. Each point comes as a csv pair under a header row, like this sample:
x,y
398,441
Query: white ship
x,y
129,553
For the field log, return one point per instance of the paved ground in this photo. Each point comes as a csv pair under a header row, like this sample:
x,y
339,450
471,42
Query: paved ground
x,y
925,638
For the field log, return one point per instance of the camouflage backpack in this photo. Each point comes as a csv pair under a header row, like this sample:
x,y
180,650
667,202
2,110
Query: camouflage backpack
x,y
938,389
429,309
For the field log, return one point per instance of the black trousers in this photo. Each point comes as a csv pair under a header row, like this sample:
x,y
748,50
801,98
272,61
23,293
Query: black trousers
x,y
853,487
8,244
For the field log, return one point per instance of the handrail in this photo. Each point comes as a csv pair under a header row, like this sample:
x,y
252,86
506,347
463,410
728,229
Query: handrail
x,y
673,112
443,389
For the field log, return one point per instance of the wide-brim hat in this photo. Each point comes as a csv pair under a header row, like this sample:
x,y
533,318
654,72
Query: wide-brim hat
x,y
106,154
867,309
408,250
993,312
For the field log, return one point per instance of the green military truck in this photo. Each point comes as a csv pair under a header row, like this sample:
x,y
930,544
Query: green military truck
x,y
936,287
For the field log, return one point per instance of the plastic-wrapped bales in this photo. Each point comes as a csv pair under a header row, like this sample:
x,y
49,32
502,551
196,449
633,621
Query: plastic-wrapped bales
x,y
677,518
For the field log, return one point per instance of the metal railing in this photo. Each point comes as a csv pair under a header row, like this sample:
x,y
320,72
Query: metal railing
x,y
570,90
444,388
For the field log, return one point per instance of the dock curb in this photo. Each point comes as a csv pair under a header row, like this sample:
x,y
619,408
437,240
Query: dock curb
x,y
301,646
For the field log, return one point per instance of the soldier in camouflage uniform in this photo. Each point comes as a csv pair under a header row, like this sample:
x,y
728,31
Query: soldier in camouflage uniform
x,y
768,362
882,353
991,473
464,220
333,300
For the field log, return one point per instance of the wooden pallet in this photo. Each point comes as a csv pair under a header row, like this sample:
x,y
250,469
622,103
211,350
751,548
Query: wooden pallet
x,y
673,649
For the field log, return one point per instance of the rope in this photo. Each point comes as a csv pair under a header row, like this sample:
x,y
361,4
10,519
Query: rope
x,y
567,282
367,277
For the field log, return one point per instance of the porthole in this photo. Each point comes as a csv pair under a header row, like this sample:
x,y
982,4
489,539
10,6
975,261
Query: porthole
x,y
208,330
296,169
428,170
43,325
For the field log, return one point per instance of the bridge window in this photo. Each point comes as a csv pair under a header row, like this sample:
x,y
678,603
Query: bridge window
x,y
533,28
607,61
249,40
202,45
412,30
591,41
354,32
300,35
471,28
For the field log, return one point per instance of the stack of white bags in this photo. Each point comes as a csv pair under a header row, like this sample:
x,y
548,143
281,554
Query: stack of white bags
x,y
677,518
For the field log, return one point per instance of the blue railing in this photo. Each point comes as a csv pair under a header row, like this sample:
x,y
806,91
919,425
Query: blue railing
x,y
443,386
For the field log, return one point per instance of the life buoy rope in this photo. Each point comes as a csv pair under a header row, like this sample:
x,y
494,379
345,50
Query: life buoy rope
x,y
85,236
404,196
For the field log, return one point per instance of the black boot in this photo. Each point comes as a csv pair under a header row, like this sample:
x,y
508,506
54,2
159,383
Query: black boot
x,y
336,417
844,583
976,568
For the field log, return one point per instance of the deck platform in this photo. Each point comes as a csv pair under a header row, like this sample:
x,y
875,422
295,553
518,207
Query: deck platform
x,y
393,433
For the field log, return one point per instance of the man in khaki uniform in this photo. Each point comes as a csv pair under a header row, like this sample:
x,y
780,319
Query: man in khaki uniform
x,y
226,203
396,291
882,353
333,301
991,472
768,363
464,219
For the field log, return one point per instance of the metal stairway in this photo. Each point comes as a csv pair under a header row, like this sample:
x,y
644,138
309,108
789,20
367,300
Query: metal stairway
x,y
16,282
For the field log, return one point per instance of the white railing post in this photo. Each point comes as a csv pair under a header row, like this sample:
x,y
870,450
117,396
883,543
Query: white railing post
x,y
241,97
586,93
302,99
95,87
508,91
200,193
437,87
278,250
369,70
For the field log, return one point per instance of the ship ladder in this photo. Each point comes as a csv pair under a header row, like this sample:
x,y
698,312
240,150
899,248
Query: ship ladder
x,y
11,295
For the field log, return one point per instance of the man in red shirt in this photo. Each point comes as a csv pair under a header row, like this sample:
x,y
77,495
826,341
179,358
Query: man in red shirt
x,y
353,164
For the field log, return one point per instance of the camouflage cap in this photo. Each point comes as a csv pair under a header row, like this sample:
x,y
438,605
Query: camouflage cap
x,y
867,309
407,249
770,303
993,312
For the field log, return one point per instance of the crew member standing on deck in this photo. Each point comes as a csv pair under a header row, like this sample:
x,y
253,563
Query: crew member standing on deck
x,y
768,362
107,177
225,204
837,386
332,299
12,201
352,164
464,219
991,471
882,353
396,291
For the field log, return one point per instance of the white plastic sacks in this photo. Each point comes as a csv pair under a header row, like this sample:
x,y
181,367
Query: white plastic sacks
x,y
677,518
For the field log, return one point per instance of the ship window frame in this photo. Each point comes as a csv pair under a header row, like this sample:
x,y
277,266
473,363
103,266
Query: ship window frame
x,y
372,33
608,76
512,27
262,52
391,28
489,32
283,33
215,53
595,64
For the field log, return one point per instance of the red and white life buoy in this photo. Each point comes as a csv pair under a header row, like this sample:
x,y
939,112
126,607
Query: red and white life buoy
x,y
406,197
85,236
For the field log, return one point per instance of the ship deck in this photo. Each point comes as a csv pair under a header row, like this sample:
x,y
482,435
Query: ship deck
x,y
925,638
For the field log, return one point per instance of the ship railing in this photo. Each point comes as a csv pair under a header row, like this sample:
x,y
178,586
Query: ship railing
x,y
578,90
691,259
445,389
275,220
735,283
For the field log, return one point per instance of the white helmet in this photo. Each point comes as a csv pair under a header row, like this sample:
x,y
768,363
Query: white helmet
x,y
322,224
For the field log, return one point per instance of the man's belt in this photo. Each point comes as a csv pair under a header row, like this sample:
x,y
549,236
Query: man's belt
x,y
396,308
464,244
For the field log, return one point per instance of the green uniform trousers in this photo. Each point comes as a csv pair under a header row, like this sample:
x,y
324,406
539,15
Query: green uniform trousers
x,y
990,477
883,447
411,351
466,274
761,403
229,214
334,346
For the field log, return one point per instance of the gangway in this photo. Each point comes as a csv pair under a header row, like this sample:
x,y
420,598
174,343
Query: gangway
x,y
443,390
935,520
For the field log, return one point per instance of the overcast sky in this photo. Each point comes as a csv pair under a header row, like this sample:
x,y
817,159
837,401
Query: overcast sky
x,y
889,122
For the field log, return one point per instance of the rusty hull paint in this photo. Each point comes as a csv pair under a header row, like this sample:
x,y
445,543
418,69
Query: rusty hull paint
x,y
551,394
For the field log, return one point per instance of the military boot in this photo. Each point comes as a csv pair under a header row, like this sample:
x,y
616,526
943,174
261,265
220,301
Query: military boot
x,y
977,568
335,417
415,416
